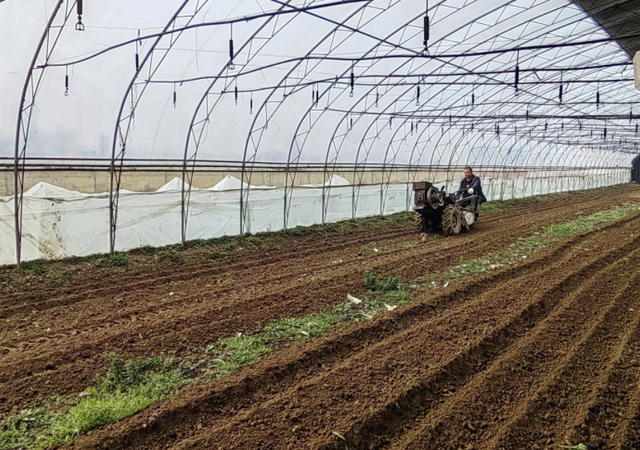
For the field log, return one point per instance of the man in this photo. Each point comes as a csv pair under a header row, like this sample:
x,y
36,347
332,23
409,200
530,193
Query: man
x,y
471,190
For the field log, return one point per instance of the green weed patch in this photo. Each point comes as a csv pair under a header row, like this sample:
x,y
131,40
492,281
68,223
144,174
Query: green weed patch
x,y
128,387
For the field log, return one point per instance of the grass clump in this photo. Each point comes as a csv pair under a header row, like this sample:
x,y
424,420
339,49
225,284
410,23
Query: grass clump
x,y
23,430
171,256
306,327
372,283
238,351
116,260
127,388
35,267
583,224
244,349
219,255
529,245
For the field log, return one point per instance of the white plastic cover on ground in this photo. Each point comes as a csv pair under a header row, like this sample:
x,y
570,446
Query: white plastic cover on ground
x,y
175,185
231,183
56,227
335,180
46,190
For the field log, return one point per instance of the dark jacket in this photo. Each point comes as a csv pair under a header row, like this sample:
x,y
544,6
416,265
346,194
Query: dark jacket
x,y
475,184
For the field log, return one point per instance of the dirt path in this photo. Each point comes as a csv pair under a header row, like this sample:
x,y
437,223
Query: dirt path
x,y
528,355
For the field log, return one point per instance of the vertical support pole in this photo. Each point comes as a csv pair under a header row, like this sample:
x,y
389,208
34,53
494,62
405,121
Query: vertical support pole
x,y
20,153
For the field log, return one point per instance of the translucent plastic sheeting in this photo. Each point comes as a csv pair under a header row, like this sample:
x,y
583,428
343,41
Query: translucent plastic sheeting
x,y
56,227
292,70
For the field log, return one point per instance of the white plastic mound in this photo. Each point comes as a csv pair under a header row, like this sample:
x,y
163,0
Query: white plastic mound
x,y
46,190
334,181
231,183
174,185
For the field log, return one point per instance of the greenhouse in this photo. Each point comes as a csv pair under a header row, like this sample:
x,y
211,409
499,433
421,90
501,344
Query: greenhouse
x,y
193,191
537,96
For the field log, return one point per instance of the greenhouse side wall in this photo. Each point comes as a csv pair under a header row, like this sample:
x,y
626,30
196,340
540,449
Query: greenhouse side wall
x,y
77,225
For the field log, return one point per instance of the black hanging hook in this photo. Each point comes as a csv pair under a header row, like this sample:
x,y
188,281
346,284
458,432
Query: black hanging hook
x,y
66,82
175,96
353,82
231,52
426,25
79,9
517,71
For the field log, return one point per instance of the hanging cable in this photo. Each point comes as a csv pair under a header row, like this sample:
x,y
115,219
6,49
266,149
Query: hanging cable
x,y
231,53
79,9
560,90
377,96
353,82
175,96
66,82
251,105
517,71
426,25
236,92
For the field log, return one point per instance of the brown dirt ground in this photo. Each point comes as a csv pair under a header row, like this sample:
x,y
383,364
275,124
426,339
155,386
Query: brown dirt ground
x,y
530,356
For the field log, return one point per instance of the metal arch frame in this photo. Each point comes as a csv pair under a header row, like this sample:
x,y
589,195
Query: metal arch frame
x,y
581,18
289,192
355,185
297,134
22,130
244,197
564,156
327,189
116,174
198,139
540,94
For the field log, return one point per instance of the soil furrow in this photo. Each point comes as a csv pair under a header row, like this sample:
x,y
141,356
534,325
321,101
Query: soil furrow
x,y
499,396
401,358
132,338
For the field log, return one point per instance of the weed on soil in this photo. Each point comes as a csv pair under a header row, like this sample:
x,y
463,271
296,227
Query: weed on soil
x,y
525,247
133,385
128,387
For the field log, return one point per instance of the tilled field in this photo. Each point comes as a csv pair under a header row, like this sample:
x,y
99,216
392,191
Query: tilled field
x,y
533,355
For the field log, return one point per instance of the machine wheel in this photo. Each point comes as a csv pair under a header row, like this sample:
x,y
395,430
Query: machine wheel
x,y
420,223
451,221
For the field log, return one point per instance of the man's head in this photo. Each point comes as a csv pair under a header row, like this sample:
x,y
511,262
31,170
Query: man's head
x,y
468,172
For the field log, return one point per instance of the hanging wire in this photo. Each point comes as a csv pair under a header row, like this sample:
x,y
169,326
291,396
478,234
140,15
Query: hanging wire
x,y
175,96
426,25
517,71
66,82
79,9
353,81
231,53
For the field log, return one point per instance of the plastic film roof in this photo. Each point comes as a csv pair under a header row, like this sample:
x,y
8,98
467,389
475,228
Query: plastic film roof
x,y
500,83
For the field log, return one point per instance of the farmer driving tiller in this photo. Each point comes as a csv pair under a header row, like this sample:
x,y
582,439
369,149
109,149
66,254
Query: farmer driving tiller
x,y
451,212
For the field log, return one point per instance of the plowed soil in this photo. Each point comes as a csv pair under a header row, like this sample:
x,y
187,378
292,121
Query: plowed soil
x,y
534,355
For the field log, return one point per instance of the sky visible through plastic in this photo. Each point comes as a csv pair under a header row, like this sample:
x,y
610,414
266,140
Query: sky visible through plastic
x,y
289,96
